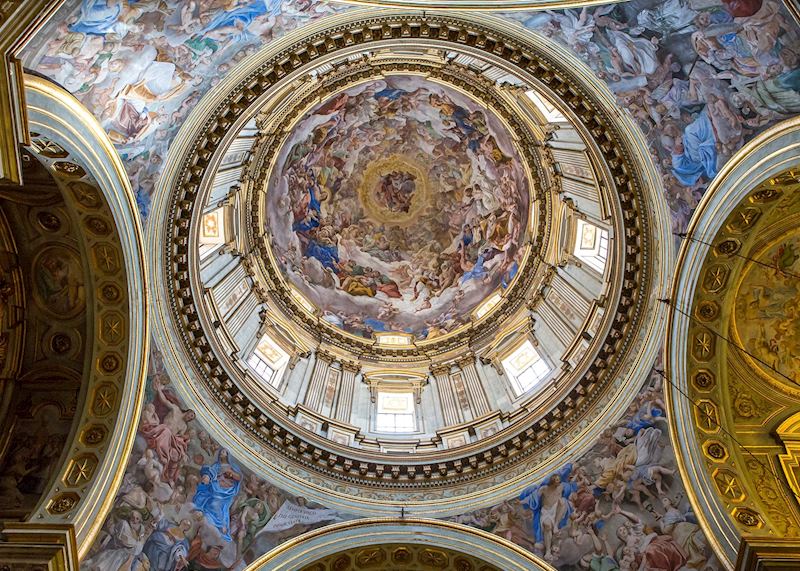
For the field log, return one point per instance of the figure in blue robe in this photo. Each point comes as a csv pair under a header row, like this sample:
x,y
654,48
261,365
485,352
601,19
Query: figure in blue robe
x,y
313,212
328,255
509,275
699,157
218,487
96,17
390,93
640,420
531,498
243,16
477,271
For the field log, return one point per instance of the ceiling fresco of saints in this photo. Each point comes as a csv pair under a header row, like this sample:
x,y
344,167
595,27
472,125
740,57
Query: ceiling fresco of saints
x,y
700,77
767,304
398,205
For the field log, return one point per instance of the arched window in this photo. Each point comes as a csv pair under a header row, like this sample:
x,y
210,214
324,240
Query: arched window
x,y
591,245
525,368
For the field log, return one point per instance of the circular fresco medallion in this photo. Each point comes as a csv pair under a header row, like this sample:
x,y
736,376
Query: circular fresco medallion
x,y
58,286
399,204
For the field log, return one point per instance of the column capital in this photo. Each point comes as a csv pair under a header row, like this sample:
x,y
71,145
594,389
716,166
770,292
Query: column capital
x,y
466,360
351,366
439,369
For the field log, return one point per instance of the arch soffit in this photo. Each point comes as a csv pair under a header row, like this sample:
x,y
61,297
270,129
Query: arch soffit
x,y
85,484
728,501
310,547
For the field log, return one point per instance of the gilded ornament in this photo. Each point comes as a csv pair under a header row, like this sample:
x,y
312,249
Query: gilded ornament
x,y
728,485
703,346
707,310
48,148
715,450
97,225
110,293
402,555
370,557
110,363
80,470
766,195
704,380
462,565
105,398
715,278
434,558
86,195
48,221
341,563
744,406
706,416
69,170
744,219
105,257
94,434
747,517
728,247
63,503
112,328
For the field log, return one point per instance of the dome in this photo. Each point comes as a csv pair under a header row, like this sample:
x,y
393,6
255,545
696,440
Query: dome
x,y
405,269
398,204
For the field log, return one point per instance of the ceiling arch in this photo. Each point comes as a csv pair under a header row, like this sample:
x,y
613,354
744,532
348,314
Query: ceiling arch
x,y
720,393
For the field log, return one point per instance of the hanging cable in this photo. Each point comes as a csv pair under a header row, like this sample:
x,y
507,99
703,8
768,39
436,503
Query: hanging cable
x,y
684,235
721,336
736,441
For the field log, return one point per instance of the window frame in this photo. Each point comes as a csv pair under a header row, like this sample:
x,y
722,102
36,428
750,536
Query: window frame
x,y
258,362
596,257
383,428
538,366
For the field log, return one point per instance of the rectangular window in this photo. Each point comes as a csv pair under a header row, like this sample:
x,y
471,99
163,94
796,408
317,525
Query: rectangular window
x,y
268,360
591,245
395,412
525,368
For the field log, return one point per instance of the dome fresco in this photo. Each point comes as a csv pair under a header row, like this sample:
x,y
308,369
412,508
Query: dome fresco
x,y
399,204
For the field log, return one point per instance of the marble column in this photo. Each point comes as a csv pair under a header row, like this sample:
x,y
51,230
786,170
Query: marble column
x,y
478,401
347,386
450,412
